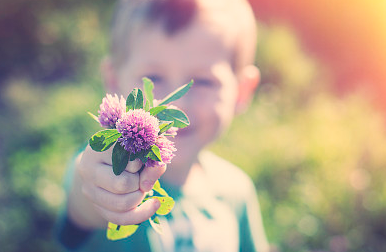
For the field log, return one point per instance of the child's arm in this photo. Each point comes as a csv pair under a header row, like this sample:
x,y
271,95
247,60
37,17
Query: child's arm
x,y
97,196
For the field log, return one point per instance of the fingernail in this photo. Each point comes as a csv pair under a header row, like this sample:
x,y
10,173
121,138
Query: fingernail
x,y
147,185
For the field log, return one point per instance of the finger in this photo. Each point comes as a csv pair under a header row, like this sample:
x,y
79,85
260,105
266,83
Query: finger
x,y
149,176
94,169
134,166
88,162
113,202
101,157
134,216
105,157
124,183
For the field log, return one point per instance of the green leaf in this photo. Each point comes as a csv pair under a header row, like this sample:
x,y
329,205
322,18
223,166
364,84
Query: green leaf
x,y
148,87
167,204
104,139
147,105
169,135
139,103
120,159
156,220
177,94
157,187
135,99
148,196
141,155
154,111
116,232
93,116
154,153
130,101
165,126
179,118
155,224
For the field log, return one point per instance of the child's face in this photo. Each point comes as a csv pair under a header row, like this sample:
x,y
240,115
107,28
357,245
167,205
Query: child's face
x,y
199,53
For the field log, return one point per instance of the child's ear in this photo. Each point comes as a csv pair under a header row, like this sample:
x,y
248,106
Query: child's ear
x,y
109,75
248,82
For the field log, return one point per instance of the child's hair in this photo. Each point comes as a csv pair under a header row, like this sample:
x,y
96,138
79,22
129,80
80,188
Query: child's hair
x,y
175,15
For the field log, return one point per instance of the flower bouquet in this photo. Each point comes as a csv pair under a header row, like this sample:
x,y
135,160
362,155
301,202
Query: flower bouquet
x,y
138,129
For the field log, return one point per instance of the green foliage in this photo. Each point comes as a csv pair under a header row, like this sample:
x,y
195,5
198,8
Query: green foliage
x,y
177,94
154,111
45,129
178,117
154,153
147,105
120,159
164,127
104,139
157,188
116,232
141,155
51,41
148,87
155,223
167,204
135,100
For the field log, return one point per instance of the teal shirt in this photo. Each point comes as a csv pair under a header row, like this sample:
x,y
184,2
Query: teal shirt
x,y
222,214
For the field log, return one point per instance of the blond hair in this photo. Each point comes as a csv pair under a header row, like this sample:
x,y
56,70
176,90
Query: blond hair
x,y
175,15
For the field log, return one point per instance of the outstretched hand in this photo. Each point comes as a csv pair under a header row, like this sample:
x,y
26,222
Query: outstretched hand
x,y
117,198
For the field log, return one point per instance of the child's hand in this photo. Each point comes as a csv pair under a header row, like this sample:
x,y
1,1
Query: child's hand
x,y
107,185
116,198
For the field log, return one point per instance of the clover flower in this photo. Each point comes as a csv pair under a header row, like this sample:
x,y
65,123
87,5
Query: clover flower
x,y
166,148
139,130
111,109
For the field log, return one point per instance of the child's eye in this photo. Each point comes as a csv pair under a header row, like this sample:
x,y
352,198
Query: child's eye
x,y
203,82
157,79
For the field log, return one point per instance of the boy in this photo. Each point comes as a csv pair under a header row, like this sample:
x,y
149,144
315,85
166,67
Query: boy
x,y
171,42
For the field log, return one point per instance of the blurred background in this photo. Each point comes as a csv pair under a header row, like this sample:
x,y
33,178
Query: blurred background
x,y
318,157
